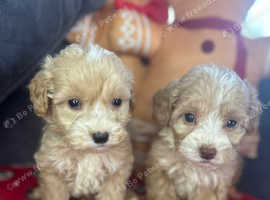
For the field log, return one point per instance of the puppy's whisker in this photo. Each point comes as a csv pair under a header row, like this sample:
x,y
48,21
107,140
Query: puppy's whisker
x,y
116,129
75,118
71,123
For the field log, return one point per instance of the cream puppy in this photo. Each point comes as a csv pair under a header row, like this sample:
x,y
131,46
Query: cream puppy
x,y
203,118
85,98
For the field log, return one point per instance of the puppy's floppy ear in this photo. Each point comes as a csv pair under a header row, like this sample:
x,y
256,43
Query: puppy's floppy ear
x,y
41,89
250,141
163,102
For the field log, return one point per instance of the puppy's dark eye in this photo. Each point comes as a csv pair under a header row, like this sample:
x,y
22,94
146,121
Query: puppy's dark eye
x,y
116,102
190,118
231,124
74,103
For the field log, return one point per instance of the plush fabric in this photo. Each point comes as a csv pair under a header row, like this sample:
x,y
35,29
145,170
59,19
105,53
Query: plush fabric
x,y
157,10
17,186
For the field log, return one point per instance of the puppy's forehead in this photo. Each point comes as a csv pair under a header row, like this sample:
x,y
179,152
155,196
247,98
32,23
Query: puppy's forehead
x,y
80,73
213,85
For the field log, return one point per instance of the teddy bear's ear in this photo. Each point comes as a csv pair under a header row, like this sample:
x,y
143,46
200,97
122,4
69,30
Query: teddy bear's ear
x,y
40,89
163,102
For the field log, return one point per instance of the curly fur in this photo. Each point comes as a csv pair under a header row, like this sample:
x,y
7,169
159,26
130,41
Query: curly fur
x,y
214,95
70,162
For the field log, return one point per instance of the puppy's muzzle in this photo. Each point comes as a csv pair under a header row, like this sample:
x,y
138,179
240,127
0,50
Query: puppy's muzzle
x,y
100,138
207,153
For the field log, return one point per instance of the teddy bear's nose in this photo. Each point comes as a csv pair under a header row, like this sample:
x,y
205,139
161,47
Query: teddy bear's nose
x,y
207,153
100,138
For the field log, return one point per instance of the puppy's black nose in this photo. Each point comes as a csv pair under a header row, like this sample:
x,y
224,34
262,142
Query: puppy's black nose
x,y
207,153
100,138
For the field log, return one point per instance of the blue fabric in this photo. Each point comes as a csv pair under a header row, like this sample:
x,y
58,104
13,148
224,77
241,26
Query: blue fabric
x,y
256,174
31,29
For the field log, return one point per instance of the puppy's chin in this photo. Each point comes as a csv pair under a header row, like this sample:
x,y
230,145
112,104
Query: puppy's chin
x,y
99,148
91,148
224,158
208,165
201,163
204,164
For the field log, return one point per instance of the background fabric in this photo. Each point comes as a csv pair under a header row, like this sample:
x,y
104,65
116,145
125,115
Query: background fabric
x,y
31,29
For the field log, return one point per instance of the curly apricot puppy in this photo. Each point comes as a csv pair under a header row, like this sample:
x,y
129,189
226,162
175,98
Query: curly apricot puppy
x,y
85,97
204,116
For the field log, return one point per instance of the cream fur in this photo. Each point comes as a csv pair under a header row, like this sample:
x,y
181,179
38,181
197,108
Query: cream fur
x,y
70,162
214,95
